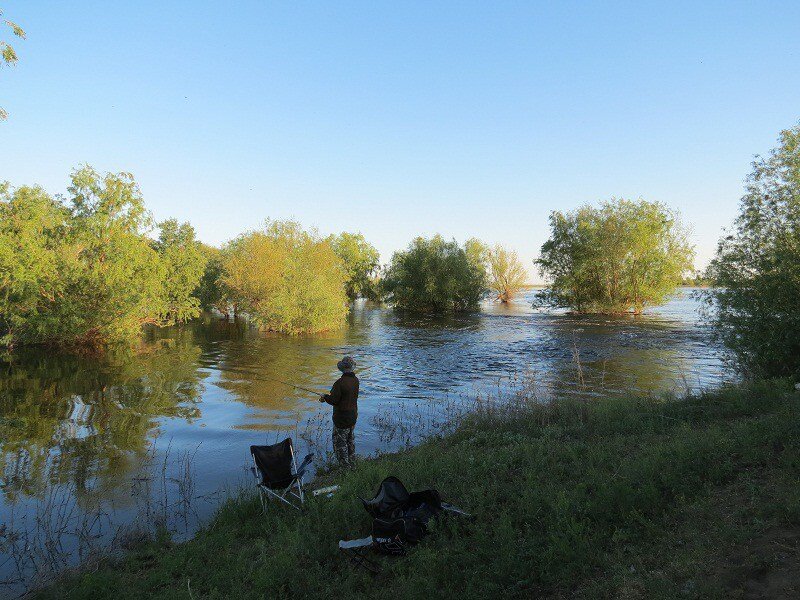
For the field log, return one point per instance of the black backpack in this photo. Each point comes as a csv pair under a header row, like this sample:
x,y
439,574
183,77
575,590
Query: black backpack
x,y
400,517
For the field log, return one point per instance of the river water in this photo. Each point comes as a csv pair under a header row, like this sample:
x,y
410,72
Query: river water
x,y
93,450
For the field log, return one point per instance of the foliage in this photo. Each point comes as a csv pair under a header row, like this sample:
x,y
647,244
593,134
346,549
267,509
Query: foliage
x,y
32,231
209,291
629,498
286,279
622,256
507,274
755,305
83,272
434,275
8,56
361,261
184,262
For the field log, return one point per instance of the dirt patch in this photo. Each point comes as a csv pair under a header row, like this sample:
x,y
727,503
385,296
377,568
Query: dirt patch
x,y
765,567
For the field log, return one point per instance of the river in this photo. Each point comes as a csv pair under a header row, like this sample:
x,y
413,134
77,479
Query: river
x,y
93,449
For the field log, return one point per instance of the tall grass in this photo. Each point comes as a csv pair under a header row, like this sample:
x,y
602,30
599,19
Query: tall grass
x,y
563,492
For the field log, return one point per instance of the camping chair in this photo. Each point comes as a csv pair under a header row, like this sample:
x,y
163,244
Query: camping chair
x,y
276,471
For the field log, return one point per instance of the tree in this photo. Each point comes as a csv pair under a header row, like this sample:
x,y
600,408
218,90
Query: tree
x,y
209,291
32,231
507,275
285,279
8,56
184,263
620,257
434,275
756,271
360,260
84,272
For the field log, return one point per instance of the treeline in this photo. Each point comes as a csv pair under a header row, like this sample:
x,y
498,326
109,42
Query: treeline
x,y
92,268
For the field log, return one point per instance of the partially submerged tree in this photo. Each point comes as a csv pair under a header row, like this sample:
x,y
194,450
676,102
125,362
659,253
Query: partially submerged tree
x,y
507,274
210,291
286,279
8,56
756,302
84,272
361,260
184,262
434,275
624,256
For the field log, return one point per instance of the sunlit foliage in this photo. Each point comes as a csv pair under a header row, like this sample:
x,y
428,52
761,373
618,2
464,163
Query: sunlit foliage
x,y
8,56
435,275
184,261
82,271
209,291
285,279
361,261
507,275
623,256
756,304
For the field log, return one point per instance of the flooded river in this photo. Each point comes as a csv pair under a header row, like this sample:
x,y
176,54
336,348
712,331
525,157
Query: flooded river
x,y
159,437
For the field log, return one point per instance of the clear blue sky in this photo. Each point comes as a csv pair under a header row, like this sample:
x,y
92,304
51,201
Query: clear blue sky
x,y
401,119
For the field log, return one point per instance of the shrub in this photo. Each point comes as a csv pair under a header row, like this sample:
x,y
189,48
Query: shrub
x,y
434,275
184,261
360,260
755,307
620,257
285,279
507,275
84,272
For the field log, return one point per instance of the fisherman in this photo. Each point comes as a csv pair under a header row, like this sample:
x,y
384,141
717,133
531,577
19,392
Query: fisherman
x,y
344,399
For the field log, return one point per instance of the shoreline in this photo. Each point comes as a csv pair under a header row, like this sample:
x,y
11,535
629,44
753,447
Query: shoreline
x,y
570,498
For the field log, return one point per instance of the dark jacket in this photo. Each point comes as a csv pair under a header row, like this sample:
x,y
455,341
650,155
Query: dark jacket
x,y
344,399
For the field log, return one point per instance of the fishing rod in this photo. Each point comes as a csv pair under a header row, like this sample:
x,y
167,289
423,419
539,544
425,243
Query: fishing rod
x,y
281,381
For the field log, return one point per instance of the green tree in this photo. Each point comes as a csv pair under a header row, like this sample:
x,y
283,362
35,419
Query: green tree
x,y
285,279
434,275
32,231
360,260
80,273
114,274
756,306
620,257
8,56
507,274
209,292
184,263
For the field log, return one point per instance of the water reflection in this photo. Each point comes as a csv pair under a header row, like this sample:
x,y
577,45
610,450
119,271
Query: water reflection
x,y
84,421
99,427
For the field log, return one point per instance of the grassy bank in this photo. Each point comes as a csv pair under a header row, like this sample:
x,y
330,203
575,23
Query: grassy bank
x,y
625,498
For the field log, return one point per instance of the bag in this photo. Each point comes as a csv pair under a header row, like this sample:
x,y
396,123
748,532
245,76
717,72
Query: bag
x,y
400,518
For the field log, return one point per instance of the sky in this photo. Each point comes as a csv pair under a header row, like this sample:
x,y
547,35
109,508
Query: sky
x,y
399,119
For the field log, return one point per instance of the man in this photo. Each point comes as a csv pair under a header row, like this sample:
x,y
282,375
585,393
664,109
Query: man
x,y
344,399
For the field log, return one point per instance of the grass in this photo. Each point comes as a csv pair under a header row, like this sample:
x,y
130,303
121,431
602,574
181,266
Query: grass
x,y
620,498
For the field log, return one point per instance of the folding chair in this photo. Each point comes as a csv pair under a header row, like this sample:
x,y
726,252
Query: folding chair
x,y
275,469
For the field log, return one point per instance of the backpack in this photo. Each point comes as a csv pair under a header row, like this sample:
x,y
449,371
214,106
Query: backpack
x,y
400,517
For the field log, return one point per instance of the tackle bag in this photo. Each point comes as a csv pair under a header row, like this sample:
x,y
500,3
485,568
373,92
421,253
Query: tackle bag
x,y
400,517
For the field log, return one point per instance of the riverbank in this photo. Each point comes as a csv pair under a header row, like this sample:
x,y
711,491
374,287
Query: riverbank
x,y
633,498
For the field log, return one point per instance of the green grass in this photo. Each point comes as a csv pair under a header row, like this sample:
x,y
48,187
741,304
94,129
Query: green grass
x,y
623,498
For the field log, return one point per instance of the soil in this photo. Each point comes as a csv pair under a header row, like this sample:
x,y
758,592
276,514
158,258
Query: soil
x,y
766,567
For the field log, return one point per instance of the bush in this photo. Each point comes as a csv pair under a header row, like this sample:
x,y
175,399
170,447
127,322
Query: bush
x,y
755,307
620,257
361,261
434,275
285,279
184,261
84,272
508,275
